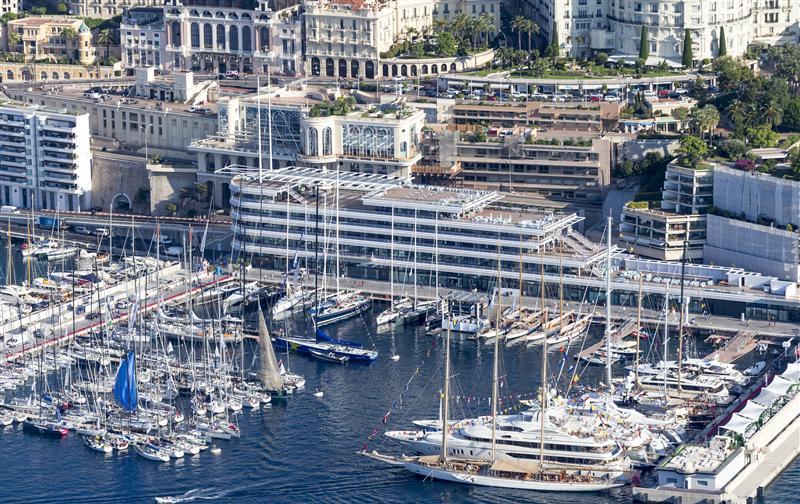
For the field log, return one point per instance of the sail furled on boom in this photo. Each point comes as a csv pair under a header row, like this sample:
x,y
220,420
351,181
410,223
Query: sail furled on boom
x,y
125,392
269,373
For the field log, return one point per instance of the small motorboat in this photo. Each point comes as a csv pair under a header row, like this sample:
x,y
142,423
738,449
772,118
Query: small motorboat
x,y
318,393
216,450
328,356
395,357
755,369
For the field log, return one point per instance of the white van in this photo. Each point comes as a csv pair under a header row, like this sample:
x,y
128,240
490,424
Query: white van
x,y
8,209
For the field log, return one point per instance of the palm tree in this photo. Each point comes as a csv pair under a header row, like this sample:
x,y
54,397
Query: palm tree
x,y
484,24
531,27
519,24
69,34
461,26
737,112
104,38
772,115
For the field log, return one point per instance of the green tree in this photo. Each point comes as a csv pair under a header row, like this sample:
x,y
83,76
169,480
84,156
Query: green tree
x,y
760,137
680,113
601,58
734,149
446,45
644,44
518,24
723,45
171,208
688,57
479,136
692,150
791,114
554,43
62,8
104,38
530,28
705,120
69,35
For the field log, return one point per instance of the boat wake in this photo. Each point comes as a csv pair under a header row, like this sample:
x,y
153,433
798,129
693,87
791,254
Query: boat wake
x,y
191,495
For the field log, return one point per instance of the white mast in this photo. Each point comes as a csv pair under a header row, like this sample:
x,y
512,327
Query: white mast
x,y
445,399
415,258
498,309
336,198
608,306
436,250
391,264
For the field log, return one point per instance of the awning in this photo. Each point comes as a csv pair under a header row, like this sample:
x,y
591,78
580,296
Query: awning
x,y
499,86
766,397
737,424
780,386
792,372
751,410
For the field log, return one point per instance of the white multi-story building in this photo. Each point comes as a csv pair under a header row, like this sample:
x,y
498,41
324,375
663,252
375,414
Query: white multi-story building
x,y
7,6
105,9
345,38
232,35
586,27
142,38
45,160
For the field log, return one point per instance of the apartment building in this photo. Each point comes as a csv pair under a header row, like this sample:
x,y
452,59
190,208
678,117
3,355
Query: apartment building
x,y
586,27
106,9
142,38
583,117
659,232
560,169
45,160
67,40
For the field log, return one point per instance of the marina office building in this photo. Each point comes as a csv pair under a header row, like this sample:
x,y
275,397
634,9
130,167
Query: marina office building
x,y
371,224
45,159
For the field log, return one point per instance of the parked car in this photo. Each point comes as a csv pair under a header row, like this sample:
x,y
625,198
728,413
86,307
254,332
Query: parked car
x,y
9,209
82,230
101,231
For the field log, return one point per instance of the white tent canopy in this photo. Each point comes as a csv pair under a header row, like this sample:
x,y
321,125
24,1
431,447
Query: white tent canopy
x,y
752,410
766,397
780,386
792,372
737,424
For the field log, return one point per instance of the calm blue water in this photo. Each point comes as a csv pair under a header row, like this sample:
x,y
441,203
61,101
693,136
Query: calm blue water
x,y
304,449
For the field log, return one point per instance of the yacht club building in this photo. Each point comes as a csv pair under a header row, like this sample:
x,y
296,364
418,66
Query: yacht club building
x,y
365,225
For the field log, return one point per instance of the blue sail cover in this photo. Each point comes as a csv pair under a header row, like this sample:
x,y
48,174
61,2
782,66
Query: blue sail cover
x,y
125,385
323,336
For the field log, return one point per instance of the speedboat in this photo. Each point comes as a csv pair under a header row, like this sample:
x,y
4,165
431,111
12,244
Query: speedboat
x,y
328,356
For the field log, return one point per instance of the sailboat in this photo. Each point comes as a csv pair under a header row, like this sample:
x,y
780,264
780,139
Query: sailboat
x,y
498,473
269,375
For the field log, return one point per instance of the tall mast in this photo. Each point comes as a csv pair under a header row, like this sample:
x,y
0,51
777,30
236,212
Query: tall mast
x,y
680,317
608,306
638,329
445,399
391,263
10,261
666,341
520,276
336,198
316,259
498,309
415,258
436,249
543,387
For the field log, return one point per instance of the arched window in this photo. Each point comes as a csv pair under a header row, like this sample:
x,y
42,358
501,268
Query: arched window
x,y
10,75
369,70
207,14
424,69
247,39
434,69
354,69
194,30
385,70
233,38
312,149
329,67
219,14
265,40
403,70
55,75
342,68
315,66
207,35
66,75
327,141
220,36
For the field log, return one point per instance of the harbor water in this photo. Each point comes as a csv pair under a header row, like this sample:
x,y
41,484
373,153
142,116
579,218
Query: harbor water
x,y
304,449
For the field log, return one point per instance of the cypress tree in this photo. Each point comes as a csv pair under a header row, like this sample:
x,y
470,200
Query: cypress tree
x,y
723,45
554,42
644,45
688,56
